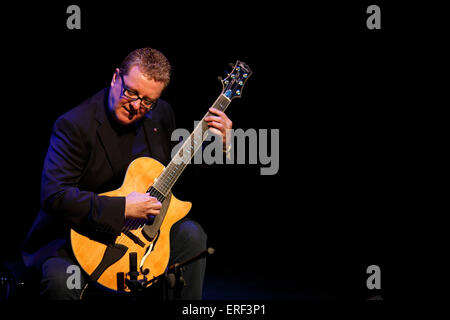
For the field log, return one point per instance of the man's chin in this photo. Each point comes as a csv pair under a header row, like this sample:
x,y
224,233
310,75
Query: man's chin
x,y
124,118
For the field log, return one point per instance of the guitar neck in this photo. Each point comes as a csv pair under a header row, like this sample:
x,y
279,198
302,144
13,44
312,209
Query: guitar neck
x,y
172,172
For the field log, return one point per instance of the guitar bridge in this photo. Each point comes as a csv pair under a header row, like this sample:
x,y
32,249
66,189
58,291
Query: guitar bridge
x,y
134,238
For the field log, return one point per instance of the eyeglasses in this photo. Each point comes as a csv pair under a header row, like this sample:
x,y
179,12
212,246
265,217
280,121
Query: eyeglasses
x,y
132,95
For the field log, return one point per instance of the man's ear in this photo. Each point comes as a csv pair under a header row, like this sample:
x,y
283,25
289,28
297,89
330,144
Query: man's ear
x,y
115,76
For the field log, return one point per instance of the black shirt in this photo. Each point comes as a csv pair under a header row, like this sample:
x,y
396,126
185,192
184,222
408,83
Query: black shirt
x,y
132,141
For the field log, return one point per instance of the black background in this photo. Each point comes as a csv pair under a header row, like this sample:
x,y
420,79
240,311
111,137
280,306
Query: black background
x,y
340,94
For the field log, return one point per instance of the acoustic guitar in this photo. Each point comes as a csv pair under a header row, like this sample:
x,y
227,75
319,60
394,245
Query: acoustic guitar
x,y
105,260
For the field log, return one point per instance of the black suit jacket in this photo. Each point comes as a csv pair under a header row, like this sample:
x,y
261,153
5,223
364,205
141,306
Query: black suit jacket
x,y
84,160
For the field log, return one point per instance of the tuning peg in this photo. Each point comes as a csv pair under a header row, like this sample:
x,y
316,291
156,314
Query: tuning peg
x,y
231,64
220,78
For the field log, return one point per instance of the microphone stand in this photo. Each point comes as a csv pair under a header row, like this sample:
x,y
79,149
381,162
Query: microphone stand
x,y
172,278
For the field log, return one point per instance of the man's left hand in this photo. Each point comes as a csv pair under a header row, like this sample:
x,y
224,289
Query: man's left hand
x,y
221,125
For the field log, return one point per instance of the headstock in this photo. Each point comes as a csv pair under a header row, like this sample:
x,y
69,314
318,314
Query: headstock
x,y
235,80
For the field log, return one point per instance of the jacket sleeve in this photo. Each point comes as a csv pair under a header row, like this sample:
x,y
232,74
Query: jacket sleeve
x,y
64,163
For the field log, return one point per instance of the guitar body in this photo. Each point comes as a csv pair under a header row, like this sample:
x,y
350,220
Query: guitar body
x,y
140,175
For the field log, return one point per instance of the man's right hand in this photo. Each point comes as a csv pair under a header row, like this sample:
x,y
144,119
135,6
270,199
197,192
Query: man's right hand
x,y
141,205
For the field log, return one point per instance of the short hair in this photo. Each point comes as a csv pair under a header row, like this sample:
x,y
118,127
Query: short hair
x,y
151,62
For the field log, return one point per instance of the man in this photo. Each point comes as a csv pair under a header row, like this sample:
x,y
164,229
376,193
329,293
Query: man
x,y
90,149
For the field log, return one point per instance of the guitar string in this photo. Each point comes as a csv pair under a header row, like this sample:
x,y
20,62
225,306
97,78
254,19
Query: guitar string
x,y
131,224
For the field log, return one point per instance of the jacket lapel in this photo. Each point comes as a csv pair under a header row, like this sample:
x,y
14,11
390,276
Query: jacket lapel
x,y
108,138
152,132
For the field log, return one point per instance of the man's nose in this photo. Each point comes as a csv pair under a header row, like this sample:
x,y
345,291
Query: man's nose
x,y
135,104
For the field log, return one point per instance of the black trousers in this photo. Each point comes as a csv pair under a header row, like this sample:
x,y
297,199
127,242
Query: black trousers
x,y
187,239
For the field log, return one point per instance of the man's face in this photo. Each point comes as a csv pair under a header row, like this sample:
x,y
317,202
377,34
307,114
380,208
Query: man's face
x,y
123,109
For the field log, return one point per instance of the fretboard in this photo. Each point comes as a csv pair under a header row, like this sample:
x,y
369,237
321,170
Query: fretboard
x,y
172,172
